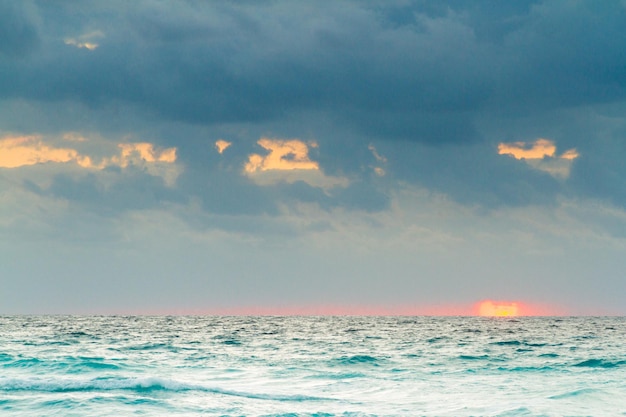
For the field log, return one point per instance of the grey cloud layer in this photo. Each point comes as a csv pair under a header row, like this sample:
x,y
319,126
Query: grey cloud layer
x,y
210,63
435,85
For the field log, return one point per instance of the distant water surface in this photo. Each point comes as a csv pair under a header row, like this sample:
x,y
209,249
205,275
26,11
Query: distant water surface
x,y
312,366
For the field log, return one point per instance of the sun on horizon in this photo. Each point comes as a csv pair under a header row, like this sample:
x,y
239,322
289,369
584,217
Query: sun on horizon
x,y
490,308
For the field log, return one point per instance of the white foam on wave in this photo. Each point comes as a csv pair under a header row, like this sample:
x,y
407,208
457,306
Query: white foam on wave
x,y
134,384
97,384
307,365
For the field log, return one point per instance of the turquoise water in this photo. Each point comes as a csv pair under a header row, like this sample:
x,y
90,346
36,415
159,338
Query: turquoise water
x,y
311,366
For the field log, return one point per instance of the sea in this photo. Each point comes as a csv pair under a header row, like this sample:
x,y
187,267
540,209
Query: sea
x,y
312,366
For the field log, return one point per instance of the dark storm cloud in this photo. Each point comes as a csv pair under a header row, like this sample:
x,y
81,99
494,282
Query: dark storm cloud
x,y
210,63
438,81
602,172
18,31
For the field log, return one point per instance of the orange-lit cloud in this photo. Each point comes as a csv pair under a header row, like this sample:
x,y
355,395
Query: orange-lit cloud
x,y
86,41
222,145
541,155
284,155
523,150
143,151
158,163
570,154
288,161
18,151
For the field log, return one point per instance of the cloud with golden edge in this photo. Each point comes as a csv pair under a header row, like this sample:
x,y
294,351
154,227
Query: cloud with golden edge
x,y
541,155
20,151
86,41
570,154
284,155
142,152
222,145
158,163
288,161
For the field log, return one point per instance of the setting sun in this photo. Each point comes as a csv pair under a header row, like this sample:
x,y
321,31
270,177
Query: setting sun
x,y
497,309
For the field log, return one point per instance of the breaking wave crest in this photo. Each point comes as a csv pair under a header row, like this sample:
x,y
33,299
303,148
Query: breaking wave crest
x,y
147,384
599,363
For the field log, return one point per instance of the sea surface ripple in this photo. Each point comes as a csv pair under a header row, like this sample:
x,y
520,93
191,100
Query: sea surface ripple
x,y
312,366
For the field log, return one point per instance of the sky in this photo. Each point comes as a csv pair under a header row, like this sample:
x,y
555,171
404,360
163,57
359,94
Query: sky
x,y
292,157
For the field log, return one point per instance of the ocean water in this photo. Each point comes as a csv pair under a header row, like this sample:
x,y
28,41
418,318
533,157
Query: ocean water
x,y
312,366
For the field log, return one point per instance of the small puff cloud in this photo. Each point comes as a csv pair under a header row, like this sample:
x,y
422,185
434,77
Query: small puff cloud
x,y
541,155
222,145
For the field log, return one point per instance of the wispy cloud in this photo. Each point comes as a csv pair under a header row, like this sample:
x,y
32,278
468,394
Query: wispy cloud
x,y
378,170
87,40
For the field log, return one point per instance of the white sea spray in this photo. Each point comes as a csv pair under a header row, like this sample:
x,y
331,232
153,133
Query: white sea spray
x,y
311,366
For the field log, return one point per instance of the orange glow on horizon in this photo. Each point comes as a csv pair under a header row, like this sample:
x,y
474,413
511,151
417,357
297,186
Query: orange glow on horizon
x,y
341,310
490,308
460,309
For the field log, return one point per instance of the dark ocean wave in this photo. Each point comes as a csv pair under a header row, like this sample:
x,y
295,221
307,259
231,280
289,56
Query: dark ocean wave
x,y
473,357
139,385
549,355
599,363
150,346
356,360
68,364
507,343
574,393
24,363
